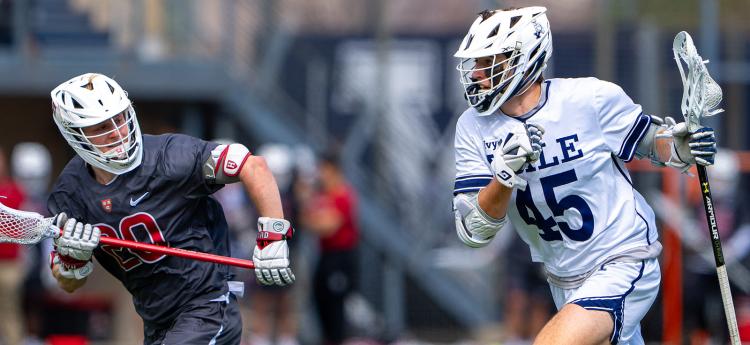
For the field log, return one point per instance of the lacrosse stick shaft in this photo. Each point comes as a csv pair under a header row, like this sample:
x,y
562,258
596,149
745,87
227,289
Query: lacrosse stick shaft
x,y
115,242
721,269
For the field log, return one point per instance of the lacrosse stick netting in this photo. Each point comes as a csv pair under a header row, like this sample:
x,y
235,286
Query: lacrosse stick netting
x,y
701,94
24,227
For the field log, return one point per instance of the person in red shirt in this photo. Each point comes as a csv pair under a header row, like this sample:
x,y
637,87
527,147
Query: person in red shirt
x,y
11,269
331,215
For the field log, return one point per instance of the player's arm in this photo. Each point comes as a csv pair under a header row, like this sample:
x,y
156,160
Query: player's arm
x,y
494,199
233,163
479,216
667,143
260,184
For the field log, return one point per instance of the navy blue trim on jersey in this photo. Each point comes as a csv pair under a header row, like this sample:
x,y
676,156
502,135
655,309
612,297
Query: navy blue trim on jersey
x,y
614,305
471,183
542,103
648,228
622,172
637,131
625,176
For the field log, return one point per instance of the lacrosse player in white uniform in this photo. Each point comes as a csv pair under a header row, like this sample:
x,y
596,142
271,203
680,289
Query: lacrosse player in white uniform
x,y
548,156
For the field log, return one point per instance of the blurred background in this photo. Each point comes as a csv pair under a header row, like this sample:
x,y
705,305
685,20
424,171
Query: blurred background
x,y
374,80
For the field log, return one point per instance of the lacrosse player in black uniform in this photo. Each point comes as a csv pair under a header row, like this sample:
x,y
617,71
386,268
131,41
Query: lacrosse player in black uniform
x,y
156,189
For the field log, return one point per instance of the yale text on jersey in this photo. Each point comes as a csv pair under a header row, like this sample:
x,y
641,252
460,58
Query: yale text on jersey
x,y
550,157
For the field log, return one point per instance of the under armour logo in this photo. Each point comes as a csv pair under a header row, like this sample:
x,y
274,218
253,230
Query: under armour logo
x,y
231,165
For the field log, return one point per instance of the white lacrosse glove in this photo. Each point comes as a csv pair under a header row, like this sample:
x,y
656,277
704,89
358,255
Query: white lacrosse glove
x,y
271,254
690,148
74,247
524,146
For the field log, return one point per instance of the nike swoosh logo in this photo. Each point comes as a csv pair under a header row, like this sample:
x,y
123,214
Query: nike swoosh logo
x,y
135,202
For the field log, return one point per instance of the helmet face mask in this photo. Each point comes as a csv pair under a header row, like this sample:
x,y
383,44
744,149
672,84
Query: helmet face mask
x,y
484,78
502,55
98,121
111,137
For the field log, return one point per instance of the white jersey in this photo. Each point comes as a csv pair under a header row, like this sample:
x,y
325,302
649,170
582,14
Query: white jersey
x,y
580,207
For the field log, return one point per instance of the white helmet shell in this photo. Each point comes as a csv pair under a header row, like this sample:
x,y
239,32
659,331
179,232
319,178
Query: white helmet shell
x,y
91,99
523,36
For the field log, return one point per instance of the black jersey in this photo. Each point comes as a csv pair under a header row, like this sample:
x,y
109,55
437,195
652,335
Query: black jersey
x,y
165,201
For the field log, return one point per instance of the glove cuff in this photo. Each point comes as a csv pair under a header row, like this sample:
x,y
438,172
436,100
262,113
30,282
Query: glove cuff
x,y
275,225
505,175
71,268
272,230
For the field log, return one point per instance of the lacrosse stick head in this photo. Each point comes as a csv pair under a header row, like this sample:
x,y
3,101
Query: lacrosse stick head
x,y
701,94
24,227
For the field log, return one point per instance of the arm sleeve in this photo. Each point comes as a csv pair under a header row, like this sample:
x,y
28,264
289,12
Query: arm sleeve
x,y
182,162
472,169
622,122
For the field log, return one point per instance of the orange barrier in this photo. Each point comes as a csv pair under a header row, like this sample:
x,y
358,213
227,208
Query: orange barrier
x,y
671,263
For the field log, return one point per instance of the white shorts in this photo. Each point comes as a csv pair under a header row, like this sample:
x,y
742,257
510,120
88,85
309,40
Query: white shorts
x,y
624,289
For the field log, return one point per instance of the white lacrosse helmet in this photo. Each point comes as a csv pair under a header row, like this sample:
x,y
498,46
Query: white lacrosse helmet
x,y
32,166
523,35
91,99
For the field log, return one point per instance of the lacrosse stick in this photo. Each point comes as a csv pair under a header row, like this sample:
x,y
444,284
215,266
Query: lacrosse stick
x,y
24,227
700,97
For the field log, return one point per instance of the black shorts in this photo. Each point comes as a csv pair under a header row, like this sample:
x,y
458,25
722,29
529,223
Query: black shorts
x,y
213,322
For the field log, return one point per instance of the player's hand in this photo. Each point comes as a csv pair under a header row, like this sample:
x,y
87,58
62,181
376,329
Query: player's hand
x,y
521,148
271,254
691,148
78,240
74,247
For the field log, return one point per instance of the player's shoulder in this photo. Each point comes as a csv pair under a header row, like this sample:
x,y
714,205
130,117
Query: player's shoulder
x,y
469,125
70,176
583,84
161,140
170,143
588,90
471,122
468,118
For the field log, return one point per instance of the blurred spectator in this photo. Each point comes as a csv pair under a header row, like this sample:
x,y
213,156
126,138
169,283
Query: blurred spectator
x,y
31,164
330,212
11,265
704,314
